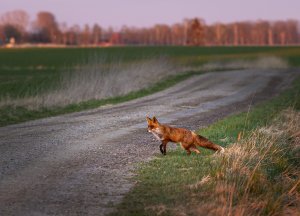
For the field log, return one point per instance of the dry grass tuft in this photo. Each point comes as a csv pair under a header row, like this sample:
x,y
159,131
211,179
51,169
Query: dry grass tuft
x,y
158,209
258,175
203,181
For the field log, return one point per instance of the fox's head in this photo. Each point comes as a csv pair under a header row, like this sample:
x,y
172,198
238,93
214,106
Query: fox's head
x,y
153,124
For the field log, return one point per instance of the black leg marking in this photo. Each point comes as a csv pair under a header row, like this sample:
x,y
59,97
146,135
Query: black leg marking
x,y
161,148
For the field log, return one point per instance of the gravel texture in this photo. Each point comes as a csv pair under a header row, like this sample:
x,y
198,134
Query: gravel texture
x,y
82,163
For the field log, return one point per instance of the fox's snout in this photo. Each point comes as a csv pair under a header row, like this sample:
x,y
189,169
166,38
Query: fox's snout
x,y
151,129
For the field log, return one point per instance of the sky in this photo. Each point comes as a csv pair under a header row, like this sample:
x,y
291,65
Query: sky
x,y
146,13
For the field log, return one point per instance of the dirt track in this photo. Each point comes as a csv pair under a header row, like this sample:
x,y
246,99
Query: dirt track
x,y
81,163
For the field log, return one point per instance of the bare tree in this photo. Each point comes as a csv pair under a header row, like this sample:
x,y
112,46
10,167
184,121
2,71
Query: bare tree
x,y
2,35
178,34
77,33
292,32
219,32
96,34
64,33
47,27
17,18
196,32
280,33
16,23
86,35
12,32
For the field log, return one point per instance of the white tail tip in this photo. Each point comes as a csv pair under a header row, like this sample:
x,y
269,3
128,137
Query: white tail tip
x,y
222,150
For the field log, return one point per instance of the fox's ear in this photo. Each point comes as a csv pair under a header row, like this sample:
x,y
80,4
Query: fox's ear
x,y
154,119
148,119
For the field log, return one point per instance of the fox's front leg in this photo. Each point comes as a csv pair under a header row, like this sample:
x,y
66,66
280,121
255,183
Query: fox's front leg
x,y
163,147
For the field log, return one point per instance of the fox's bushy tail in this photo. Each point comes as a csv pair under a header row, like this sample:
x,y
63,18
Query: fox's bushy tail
x,y
204,142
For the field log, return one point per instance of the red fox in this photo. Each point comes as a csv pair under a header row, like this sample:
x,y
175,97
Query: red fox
x,y
187,139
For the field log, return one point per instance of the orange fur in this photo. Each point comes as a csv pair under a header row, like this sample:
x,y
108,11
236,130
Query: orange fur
x,y
187,139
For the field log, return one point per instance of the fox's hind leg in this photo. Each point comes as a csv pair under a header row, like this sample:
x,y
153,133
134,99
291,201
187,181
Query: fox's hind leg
x,y
188,151
194,149
187,147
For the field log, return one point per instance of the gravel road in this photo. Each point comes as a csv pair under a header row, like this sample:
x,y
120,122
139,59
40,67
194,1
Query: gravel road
x,y
81,163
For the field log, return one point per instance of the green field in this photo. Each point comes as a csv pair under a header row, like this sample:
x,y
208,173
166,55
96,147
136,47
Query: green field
x,y
31,72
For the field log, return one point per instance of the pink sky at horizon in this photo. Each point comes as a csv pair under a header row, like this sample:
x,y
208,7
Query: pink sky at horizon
x,y
142,13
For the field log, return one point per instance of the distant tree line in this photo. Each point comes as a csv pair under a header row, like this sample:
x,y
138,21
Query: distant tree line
x,y
16,25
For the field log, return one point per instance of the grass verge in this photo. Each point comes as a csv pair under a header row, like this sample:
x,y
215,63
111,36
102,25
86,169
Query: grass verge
x,y
258,175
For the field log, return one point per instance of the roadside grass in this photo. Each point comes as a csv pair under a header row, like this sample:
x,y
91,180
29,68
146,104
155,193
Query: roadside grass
x,y
258,175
